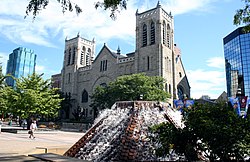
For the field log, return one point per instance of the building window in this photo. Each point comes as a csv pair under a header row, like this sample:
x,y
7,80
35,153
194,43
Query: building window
x,y
166,87
69,56
88,57
148,63
69,95
180,74
73,56
168,36
82,55
180,93
169,88
164,32
152,33
86,112
144,35
83,112
169,65
69,79
104,65
85,96
101,66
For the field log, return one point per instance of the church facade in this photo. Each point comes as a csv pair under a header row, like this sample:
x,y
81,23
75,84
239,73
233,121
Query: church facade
x,y
155,55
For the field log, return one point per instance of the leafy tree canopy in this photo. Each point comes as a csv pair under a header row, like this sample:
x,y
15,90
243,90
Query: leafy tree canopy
x,y
3,102
129,87
31,96
215,130
35,6
242,16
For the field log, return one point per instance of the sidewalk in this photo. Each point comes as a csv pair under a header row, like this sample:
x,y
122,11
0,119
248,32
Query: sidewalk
x,y
19,145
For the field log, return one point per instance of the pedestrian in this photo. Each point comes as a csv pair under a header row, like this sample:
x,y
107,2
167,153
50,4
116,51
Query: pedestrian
x,y
24,123
33,127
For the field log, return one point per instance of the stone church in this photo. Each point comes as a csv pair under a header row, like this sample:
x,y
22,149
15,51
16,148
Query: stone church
x,y
155,55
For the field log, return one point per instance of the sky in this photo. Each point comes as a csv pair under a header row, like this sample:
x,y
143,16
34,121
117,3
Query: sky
x,y
199,29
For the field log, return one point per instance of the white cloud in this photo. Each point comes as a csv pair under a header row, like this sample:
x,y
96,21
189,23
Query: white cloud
x,y
40,69
203,82
178,7
217,62
43,69
184,6
3,59
90,23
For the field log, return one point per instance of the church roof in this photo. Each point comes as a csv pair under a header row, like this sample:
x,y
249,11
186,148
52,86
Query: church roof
x,y
114,54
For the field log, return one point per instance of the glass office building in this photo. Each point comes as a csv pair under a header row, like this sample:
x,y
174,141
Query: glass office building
x,y
237,63
22,61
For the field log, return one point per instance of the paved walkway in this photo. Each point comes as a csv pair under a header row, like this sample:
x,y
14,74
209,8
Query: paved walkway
x,y
19,145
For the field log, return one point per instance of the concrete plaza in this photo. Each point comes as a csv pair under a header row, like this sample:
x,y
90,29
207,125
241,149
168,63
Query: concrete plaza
x,y
19,145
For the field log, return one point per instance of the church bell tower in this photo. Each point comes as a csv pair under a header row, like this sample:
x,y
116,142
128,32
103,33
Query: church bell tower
x,y
78,54
154,53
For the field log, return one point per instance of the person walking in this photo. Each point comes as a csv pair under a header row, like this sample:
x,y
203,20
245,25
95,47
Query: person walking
x,y
24,123
33,127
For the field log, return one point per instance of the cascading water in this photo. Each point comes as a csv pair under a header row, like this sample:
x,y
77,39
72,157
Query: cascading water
x,y
123,133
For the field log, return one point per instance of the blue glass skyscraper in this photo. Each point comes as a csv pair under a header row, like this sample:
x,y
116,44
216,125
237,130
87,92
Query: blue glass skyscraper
x,y
22,62
237,62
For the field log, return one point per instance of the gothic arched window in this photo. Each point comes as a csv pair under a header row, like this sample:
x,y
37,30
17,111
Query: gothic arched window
x,y
144,35
85,96
166,87
88,57
73,56
148,63
180,93
168,36
69,56
82,55
169,88
164,32
152,33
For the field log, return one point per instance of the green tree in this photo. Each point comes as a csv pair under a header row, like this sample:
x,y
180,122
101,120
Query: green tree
x,y
3,102
129,87
35,6
1,77
32,96
214,128
242,16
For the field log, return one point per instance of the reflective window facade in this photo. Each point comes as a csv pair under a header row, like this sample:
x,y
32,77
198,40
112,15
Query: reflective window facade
x,y
237,62
22,61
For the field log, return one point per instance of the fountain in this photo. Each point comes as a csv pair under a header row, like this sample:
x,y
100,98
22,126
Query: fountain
x,y
121,133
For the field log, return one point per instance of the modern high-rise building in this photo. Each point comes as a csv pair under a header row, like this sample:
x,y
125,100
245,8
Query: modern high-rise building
x,y
22,62
237,62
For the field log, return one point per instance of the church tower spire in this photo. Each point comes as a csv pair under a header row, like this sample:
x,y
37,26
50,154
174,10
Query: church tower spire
x,y
158,4
118,50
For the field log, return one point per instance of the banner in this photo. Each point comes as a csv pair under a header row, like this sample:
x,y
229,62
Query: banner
x,y
179,105
236,104
188,103
246,109
243,105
